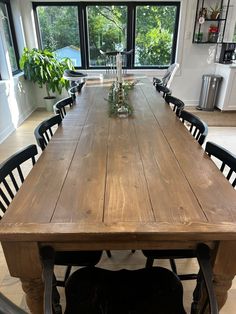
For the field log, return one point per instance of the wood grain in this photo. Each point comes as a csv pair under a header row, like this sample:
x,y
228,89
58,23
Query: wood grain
x,y
108,183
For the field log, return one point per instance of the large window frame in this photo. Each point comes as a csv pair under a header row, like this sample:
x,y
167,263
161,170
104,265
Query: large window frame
x,y
13,35
131,26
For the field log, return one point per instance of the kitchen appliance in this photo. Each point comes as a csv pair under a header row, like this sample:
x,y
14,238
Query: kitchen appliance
x,y
226,54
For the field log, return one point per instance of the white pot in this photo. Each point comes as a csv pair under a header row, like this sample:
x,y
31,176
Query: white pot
x,y
49,103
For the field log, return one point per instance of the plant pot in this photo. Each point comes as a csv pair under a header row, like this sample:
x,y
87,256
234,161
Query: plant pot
x,y
49,102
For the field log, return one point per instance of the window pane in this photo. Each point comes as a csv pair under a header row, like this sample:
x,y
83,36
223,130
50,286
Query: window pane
x,y
59,30
155,27
8,36
107,31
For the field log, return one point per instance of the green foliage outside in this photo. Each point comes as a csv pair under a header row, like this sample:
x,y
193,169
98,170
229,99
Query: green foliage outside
x,y
154,35
7,34
107,31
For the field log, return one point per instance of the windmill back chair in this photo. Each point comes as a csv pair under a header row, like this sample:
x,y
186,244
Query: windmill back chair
x,y
228,160
164,90
197,127
43,131
152,290
12,175
177,104
60,106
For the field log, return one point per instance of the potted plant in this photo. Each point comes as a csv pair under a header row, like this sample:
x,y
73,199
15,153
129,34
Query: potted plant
x,y
41,67
215,12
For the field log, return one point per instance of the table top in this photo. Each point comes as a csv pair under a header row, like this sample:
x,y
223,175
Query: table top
x,y
132,180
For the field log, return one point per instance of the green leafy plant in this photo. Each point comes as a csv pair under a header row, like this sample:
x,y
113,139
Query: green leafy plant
x,y
118,99
42,67
215,11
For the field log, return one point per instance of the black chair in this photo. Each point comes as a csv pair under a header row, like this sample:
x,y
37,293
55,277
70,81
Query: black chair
x,y
43,131
227,159
164,90
93,290
12,176
8,307
60,106
177,104
197,127
75,88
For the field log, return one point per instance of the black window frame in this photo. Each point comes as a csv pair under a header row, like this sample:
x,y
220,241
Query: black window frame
x,y
13,35
131,28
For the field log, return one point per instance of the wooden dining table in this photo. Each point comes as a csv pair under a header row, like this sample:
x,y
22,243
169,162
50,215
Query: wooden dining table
x,y
106,183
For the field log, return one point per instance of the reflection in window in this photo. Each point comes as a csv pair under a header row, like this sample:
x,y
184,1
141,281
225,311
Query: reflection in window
x,y
59,30
107,29
155,28
8,36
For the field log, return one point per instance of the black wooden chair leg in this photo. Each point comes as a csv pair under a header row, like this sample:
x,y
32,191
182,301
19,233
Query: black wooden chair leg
x,y
108,253
149,262
173,265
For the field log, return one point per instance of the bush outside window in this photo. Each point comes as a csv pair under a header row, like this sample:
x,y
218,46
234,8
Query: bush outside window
x,y
85,31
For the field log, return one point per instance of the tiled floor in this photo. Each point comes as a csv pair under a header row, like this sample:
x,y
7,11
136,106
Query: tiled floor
x,y
120,259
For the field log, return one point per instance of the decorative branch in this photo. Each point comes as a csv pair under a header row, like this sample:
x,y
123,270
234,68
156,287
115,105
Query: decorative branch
x,y
118,99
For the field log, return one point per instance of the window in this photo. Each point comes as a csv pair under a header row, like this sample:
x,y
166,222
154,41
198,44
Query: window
x,y
8,30
59,31
107,27
84,31
155,35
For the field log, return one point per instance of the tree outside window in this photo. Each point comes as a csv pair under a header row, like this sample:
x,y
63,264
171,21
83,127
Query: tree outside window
x,y
4,17
150,30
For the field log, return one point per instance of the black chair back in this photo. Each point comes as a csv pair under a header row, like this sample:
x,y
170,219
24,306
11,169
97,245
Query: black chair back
x,y
227,159
12,176
60,106
197,127
177,104
164,90
43,131
92,290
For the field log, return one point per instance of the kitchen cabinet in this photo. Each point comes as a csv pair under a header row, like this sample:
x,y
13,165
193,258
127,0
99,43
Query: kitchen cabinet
x,y
210,21
227,93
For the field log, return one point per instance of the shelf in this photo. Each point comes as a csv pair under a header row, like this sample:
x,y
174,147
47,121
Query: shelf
x,y
203,29
205,42
214,20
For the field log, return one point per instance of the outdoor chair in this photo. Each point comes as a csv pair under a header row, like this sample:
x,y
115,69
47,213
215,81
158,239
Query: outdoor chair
x,y
60,106
12,175
167,79
176,104
197,127
43,131
92,290
228,160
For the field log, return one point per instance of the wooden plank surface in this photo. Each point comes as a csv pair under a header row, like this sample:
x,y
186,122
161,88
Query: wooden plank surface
x,y
142,178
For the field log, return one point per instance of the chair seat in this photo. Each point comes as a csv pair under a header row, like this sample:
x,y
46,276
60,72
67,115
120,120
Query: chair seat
x,y
97,291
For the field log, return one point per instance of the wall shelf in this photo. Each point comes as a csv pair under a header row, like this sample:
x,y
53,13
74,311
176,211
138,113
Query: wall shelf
x,y
209,30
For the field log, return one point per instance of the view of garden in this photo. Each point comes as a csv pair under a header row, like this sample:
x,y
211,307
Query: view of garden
x,y
107,29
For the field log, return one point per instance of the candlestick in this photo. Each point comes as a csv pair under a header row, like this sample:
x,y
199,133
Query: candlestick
x,y
119,67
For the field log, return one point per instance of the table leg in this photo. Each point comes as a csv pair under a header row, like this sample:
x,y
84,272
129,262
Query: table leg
x,y
33,289
23,261
224,270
